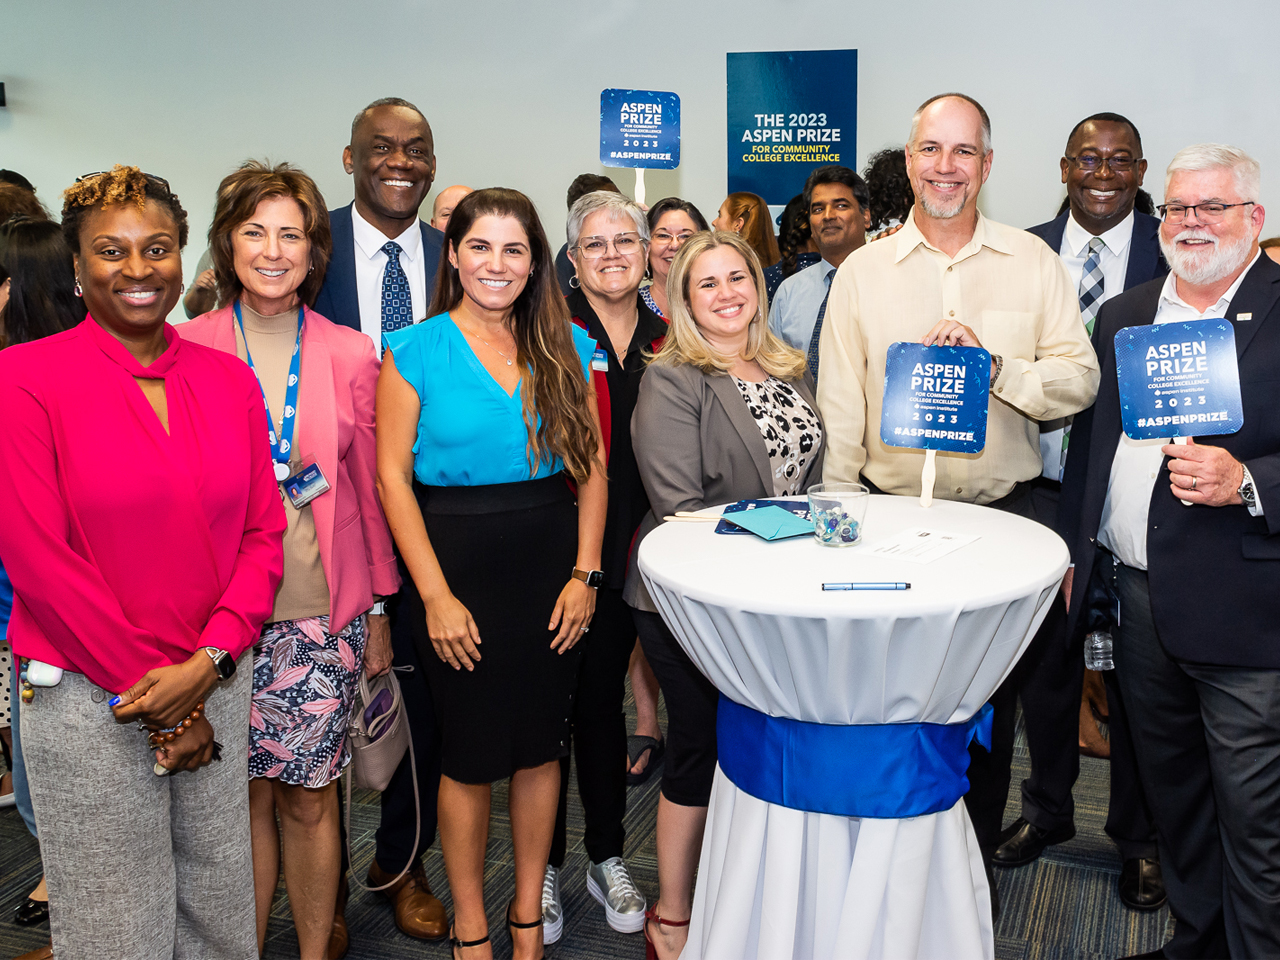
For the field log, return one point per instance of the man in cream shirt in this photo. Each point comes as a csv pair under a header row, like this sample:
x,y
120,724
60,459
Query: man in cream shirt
x,y
954,278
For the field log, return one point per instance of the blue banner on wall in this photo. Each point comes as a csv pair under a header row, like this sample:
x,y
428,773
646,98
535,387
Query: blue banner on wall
x,y
935,398
789,113
1179,379
640,128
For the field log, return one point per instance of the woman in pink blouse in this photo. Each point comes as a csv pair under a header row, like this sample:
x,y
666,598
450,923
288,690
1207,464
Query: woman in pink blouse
x,y
141,511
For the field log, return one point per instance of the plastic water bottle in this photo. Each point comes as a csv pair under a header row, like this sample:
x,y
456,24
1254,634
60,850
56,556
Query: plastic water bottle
x,y
1097,651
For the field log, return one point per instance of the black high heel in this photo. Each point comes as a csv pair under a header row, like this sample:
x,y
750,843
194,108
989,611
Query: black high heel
x,y
513,926
30,912
455,944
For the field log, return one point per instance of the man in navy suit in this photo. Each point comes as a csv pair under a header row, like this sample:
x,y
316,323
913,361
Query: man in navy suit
x,y
392,160
1197,645
380,278
1107,247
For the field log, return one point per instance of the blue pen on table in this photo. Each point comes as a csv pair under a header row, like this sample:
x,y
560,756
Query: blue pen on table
x,y
866,586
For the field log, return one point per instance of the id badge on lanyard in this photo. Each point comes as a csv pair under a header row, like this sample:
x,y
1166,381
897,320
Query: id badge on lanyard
x,y
283,444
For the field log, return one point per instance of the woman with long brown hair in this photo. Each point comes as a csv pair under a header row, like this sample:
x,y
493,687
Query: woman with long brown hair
x,y
747,215
485,410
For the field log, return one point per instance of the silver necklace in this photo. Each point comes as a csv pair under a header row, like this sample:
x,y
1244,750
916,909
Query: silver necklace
x,y
492,347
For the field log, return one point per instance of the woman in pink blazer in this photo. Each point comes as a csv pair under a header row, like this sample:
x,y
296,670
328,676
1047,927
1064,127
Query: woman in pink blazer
x,y
270,244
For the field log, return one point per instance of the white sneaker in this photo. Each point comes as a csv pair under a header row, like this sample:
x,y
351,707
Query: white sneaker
x,y
610,884
552,908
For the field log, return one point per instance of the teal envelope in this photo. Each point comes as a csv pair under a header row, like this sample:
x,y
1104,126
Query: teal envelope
x,y
771,523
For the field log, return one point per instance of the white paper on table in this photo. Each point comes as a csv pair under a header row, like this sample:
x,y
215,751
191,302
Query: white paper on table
x,y
921,545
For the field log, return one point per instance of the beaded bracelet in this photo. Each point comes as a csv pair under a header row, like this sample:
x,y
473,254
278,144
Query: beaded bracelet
x,y
161,737
28,692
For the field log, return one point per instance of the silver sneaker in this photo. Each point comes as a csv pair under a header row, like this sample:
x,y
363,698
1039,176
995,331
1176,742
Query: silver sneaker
x,y
552,907
611,885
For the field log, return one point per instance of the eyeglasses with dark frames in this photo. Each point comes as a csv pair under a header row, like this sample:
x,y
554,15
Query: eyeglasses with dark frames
x,y
1207,212
1093,163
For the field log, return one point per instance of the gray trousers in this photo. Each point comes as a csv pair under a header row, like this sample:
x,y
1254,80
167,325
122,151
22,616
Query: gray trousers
x,y
1207,739
141,866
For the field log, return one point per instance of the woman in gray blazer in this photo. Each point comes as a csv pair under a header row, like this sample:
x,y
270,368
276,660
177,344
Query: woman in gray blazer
x,y
726,412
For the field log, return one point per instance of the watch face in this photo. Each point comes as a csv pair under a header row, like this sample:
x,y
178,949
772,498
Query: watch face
x,y
224,664
595,578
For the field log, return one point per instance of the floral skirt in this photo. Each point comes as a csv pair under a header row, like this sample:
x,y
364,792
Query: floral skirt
x,y
304,686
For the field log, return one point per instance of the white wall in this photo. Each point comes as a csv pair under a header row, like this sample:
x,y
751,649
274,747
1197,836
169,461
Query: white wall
x,y
187,89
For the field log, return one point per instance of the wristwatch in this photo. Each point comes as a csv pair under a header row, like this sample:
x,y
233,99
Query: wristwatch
x,y
999,364
592,578
379,609
1247,492
223,662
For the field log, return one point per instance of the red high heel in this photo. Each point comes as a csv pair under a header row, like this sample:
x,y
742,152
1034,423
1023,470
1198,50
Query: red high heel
x,y
650,951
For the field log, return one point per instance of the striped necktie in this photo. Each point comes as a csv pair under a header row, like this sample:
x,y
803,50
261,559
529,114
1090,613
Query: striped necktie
x,y
1092,288
812,355
397,304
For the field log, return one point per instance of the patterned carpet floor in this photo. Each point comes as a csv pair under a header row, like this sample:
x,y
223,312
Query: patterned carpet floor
x,y
1062,906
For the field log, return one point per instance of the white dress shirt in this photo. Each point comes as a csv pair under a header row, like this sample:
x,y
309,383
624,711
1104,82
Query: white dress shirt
x,y
794,311
371,264
1136,465
1114,260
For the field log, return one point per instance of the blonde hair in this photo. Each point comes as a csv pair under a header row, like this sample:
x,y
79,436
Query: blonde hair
x,y
685,343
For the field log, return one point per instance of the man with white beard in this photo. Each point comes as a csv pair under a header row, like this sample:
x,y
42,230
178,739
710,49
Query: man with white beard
x,y
952,277
1197,641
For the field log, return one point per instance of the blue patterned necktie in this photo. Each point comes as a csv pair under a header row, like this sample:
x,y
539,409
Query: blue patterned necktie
x,y
1092,288
397,304
812,355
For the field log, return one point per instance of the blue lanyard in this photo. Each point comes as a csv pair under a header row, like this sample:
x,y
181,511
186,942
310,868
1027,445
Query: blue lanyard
x,y
281,446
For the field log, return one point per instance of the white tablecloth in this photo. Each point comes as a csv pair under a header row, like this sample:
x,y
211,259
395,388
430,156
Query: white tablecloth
x,y
775,882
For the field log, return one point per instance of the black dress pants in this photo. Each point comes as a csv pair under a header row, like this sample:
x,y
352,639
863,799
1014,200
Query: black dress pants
x,y
1207,740
1049,679
689,770
394,838
599,733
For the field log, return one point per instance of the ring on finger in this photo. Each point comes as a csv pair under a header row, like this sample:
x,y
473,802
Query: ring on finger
x,y
1194,481
584,629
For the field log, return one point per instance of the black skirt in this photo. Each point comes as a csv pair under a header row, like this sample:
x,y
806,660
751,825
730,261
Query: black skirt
x,y
506,550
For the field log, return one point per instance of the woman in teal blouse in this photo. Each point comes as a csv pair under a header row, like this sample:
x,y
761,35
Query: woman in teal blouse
x,y
485,413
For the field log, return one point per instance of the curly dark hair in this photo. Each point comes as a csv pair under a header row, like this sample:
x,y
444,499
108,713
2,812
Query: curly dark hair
x,y
891,193
794,233
120,184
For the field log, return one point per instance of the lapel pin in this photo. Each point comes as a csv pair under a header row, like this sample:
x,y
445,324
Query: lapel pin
x,y
1244,316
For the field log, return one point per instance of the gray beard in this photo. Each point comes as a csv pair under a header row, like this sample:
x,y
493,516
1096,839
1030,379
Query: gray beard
x,y
1205,268
943,213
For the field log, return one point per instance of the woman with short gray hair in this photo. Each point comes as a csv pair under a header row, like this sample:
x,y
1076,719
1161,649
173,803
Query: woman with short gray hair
x,y
608,238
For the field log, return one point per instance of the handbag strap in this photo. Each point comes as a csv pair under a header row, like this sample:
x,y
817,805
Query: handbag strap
x,y
417,810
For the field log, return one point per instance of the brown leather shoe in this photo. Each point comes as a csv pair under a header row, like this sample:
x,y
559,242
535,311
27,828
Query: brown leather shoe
x,y
39,953
418,913
339,940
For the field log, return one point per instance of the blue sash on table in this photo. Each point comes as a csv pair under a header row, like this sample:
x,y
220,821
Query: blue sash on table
x,y
882,770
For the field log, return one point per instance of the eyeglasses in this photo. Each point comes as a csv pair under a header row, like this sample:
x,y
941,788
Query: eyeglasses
x,y
666,238
1093,163
1205,212
624,245
160,181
